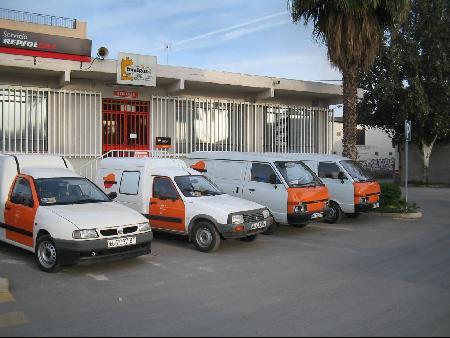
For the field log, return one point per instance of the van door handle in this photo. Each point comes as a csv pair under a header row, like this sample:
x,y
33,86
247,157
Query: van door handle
x,y
251,190
153,203
237,190
7,208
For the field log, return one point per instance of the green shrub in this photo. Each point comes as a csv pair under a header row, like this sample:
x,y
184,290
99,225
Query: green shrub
x,y
391,195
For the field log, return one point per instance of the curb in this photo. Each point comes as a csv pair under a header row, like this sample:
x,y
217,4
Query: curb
x,y
4,285
413,215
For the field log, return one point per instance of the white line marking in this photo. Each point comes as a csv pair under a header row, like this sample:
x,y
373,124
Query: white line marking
x,y
101,278
331,228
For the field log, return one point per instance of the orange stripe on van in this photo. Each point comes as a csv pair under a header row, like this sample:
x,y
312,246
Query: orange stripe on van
x,y
109,181
315,198
367,189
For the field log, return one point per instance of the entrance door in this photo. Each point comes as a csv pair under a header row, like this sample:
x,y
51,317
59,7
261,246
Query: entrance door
x,y
20,212
167,209
126,125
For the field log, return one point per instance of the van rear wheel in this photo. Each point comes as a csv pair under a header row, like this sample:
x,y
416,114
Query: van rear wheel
x,y
206,237
47,255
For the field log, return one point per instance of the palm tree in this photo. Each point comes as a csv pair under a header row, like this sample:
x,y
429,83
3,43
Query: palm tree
x,y
353,31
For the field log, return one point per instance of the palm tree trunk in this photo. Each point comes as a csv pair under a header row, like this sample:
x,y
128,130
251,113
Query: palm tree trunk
x,y
350,83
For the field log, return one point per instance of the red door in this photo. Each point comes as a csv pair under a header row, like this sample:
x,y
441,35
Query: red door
x,y
126,125
20,211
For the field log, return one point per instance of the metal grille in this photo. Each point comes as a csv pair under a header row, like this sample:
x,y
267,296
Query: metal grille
x,y
257,217
40,19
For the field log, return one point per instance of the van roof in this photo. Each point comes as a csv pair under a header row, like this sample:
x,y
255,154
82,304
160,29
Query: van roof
x,y
38,173
240,156
147,162
316,157
39,161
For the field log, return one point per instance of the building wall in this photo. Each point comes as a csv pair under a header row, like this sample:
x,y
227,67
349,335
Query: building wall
x,y
80,32
439,165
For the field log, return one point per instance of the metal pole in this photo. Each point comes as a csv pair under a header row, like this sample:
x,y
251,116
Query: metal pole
x,y
406,171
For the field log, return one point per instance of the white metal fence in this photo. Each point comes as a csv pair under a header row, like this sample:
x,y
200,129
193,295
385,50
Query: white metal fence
x,y
212,125
34,120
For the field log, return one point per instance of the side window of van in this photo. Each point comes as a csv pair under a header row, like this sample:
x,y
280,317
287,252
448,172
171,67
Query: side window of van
x,y
329,170
263,173
230,170
163,187
21,193
129,185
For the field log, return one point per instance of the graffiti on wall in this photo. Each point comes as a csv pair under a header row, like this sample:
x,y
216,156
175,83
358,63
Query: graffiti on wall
x,y
381,164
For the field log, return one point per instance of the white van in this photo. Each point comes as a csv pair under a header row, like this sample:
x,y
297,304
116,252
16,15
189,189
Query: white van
x,y
63,218
291,191
352,189
180,200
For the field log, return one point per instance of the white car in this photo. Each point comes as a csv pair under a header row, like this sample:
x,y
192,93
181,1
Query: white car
x,y
180,200
63,218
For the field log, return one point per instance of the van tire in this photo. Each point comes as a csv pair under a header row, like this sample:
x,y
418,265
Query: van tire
x,y
206,237
46,254
271,230
335,215
300,226
249,239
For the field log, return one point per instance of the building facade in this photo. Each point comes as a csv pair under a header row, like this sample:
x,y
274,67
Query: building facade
x,y
55,98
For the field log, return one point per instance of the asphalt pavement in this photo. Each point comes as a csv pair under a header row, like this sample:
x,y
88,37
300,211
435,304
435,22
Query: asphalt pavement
x,y
369,276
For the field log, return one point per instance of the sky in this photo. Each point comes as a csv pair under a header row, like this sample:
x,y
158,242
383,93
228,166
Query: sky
x,y
250,37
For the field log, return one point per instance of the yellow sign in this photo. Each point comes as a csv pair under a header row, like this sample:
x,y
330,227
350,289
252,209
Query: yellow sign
x,y
136,70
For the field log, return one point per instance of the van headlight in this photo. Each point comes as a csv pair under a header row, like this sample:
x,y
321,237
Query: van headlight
x,y
237,219
85,234
144,227
301,209
266,213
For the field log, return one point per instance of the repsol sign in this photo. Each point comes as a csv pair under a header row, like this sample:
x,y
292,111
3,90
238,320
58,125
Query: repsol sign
x,y
45,43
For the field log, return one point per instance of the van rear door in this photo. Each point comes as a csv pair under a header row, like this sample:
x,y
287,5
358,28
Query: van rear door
x,y
229,176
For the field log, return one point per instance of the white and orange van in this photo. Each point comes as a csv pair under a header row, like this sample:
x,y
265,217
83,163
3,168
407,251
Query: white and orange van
x,y
291,191
353,190
63,218
179,200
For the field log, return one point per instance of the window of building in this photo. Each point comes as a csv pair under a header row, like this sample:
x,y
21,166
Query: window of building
x,y
329,170
129,185
361,138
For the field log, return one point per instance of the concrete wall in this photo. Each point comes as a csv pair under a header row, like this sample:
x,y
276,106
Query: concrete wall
x,y
439,165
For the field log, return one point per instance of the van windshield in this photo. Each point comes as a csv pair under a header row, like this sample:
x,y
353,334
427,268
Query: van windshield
x,y
68,190
297,174
197,186
357,171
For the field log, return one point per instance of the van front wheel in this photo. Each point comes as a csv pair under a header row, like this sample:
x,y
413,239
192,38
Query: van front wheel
x,y
46,254
206,237
335,214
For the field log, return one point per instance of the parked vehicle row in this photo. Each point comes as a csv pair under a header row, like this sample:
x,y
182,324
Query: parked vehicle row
x,y
46,208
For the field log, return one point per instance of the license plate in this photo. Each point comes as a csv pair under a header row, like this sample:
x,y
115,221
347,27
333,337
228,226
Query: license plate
x,y
121,242
259,225
317,215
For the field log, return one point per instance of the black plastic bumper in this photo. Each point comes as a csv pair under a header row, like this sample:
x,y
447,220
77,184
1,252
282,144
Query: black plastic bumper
x,y
303,218
75,252
227,231
365,207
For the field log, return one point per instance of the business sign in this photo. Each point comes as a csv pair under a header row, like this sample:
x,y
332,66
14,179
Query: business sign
x,y
163,142
136,70
126,94
43,43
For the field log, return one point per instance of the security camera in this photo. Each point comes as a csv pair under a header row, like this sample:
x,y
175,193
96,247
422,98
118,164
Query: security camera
x,y
102,53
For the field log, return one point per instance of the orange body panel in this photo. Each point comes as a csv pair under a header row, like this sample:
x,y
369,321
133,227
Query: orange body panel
x,y
372,190
21,217
168,214
318,195
109,181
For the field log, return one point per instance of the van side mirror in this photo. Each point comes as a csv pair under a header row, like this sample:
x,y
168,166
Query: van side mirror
x,y
112,195
273,179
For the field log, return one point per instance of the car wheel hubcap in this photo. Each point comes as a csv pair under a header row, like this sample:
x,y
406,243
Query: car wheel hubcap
x,y
332,213
204,237
47,255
